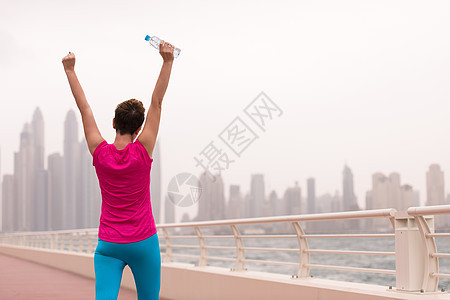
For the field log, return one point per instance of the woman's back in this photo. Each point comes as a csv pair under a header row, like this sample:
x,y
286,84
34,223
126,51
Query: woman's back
x,y
124,178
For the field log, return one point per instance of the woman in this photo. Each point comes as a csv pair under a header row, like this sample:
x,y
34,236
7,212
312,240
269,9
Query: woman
x,y
127,232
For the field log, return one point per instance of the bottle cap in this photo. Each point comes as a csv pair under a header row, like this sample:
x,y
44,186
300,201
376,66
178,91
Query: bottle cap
x,y
147,38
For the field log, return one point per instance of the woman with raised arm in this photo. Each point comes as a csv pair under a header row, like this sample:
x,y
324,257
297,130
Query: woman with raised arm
x,y
127,231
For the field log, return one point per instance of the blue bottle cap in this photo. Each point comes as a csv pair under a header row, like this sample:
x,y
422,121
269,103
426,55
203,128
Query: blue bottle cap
x,y
147,38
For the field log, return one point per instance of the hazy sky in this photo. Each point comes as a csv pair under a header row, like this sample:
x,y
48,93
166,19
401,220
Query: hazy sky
x,y
365,83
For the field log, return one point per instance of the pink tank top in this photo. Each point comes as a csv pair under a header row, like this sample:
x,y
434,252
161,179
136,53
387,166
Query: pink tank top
x,y
124,178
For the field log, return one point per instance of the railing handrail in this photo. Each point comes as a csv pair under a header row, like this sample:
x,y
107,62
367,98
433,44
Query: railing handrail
x,y
360,214
429,210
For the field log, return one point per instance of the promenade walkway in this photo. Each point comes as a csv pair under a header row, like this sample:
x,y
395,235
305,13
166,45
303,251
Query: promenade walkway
x,y
26,280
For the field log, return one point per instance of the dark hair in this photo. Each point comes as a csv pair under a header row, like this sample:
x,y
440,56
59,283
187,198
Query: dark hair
x,y
129,116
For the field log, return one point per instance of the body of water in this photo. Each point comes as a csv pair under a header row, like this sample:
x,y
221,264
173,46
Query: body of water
x,y
348,260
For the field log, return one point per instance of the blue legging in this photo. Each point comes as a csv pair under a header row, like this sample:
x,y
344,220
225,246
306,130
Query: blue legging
x,y
144,260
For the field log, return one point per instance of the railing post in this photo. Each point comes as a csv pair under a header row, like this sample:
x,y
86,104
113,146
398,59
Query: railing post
x,y
202,243
80,242
413,248
430,282
61,241
168,256
240,254
90,246
303,270
53,241
70,242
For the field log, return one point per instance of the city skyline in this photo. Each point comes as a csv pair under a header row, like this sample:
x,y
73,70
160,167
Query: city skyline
x,y
258,201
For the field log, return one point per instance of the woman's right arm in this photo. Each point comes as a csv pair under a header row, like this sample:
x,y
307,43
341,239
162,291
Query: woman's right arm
x,y
151,126
91,132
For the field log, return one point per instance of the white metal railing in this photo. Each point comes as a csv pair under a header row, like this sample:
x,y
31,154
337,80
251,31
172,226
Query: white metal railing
x,y
84,240
431,256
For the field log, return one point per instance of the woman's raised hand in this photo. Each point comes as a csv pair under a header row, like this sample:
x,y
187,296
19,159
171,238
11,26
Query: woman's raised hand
x,y
166,51
69,62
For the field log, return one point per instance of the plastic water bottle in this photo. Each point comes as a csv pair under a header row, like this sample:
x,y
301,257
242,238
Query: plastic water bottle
x,y
154,41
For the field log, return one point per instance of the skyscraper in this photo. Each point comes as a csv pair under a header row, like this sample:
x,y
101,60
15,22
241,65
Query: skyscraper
x,y
211,204
257,195
348,196
40,182
71,165
436,191
234,203
155,183
292,200
9,205
205,200
406,197
89,201
56,191
40,211
169,211
387,192
37,128
435,186
275,204
24,172
218,197
311,191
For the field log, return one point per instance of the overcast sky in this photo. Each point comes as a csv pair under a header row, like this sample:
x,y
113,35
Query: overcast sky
x,y
365,83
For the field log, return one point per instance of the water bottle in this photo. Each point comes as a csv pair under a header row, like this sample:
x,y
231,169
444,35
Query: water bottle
x,y
154,41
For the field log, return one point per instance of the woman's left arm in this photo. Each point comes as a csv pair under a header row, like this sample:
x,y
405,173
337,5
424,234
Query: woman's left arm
x,y
91,132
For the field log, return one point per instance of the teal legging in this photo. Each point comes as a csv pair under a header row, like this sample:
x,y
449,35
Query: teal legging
x,y
144,260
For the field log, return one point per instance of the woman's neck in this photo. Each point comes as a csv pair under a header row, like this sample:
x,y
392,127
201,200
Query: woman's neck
x,y
122,141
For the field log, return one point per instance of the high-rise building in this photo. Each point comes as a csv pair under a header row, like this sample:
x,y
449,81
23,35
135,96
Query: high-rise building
x,y
406,197
89,204
416,198
246,206
292,200
218,197
211,204
169,211
24,172
324,203
56,191
311,195
37,129
40,211
71,167
257,195
348,194
155,183
435,186
205,199
275,204
40,183
234,203
387,192
9,205
436,191
369,200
